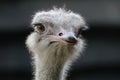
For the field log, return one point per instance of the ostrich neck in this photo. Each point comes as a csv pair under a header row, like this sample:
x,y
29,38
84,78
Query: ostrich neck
x,y
53,62
49,70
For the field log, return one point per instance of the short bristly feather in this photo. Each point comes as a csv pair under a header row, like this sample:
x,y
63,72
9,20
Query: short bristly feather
x,y
51,49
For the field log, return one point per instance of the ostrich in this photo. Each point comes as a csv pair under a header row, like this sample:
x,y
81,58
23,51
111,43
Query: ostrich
x,y
55,42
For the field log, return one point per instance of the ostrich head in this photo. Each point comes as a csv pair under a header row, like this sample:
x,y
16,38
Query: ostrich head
x,y
56,40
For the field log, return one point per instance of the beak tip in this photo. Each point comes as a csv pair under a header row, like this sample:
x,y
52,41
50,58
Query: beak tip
x,y
71,40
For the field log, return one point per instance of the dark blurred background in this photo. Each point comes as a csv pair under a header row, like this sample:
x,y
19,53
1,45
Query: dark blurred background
x,y
100,61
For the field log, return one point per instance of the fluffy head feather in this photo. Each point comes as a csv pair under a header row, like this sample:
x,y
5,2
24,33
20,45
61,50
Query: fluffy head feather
x,y
55,42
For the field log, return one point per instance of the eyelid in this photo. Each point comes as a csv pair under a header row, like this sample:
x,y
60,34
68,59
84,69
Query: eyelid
x,y
37,24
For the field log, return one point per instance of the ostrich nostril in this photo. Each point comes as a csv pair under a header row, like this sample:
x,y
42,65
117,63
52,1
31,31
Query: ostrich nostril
x,y
60,34
72,40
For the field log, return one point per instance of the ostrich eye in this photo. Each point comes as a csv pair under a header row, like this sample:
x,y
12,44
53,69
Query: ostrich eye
x,y
80,30
39,27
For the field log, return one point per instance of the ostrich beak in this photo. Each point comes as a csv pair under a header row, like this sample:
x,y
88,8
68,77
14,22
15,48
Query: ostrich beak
x,y
54,39
68,39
